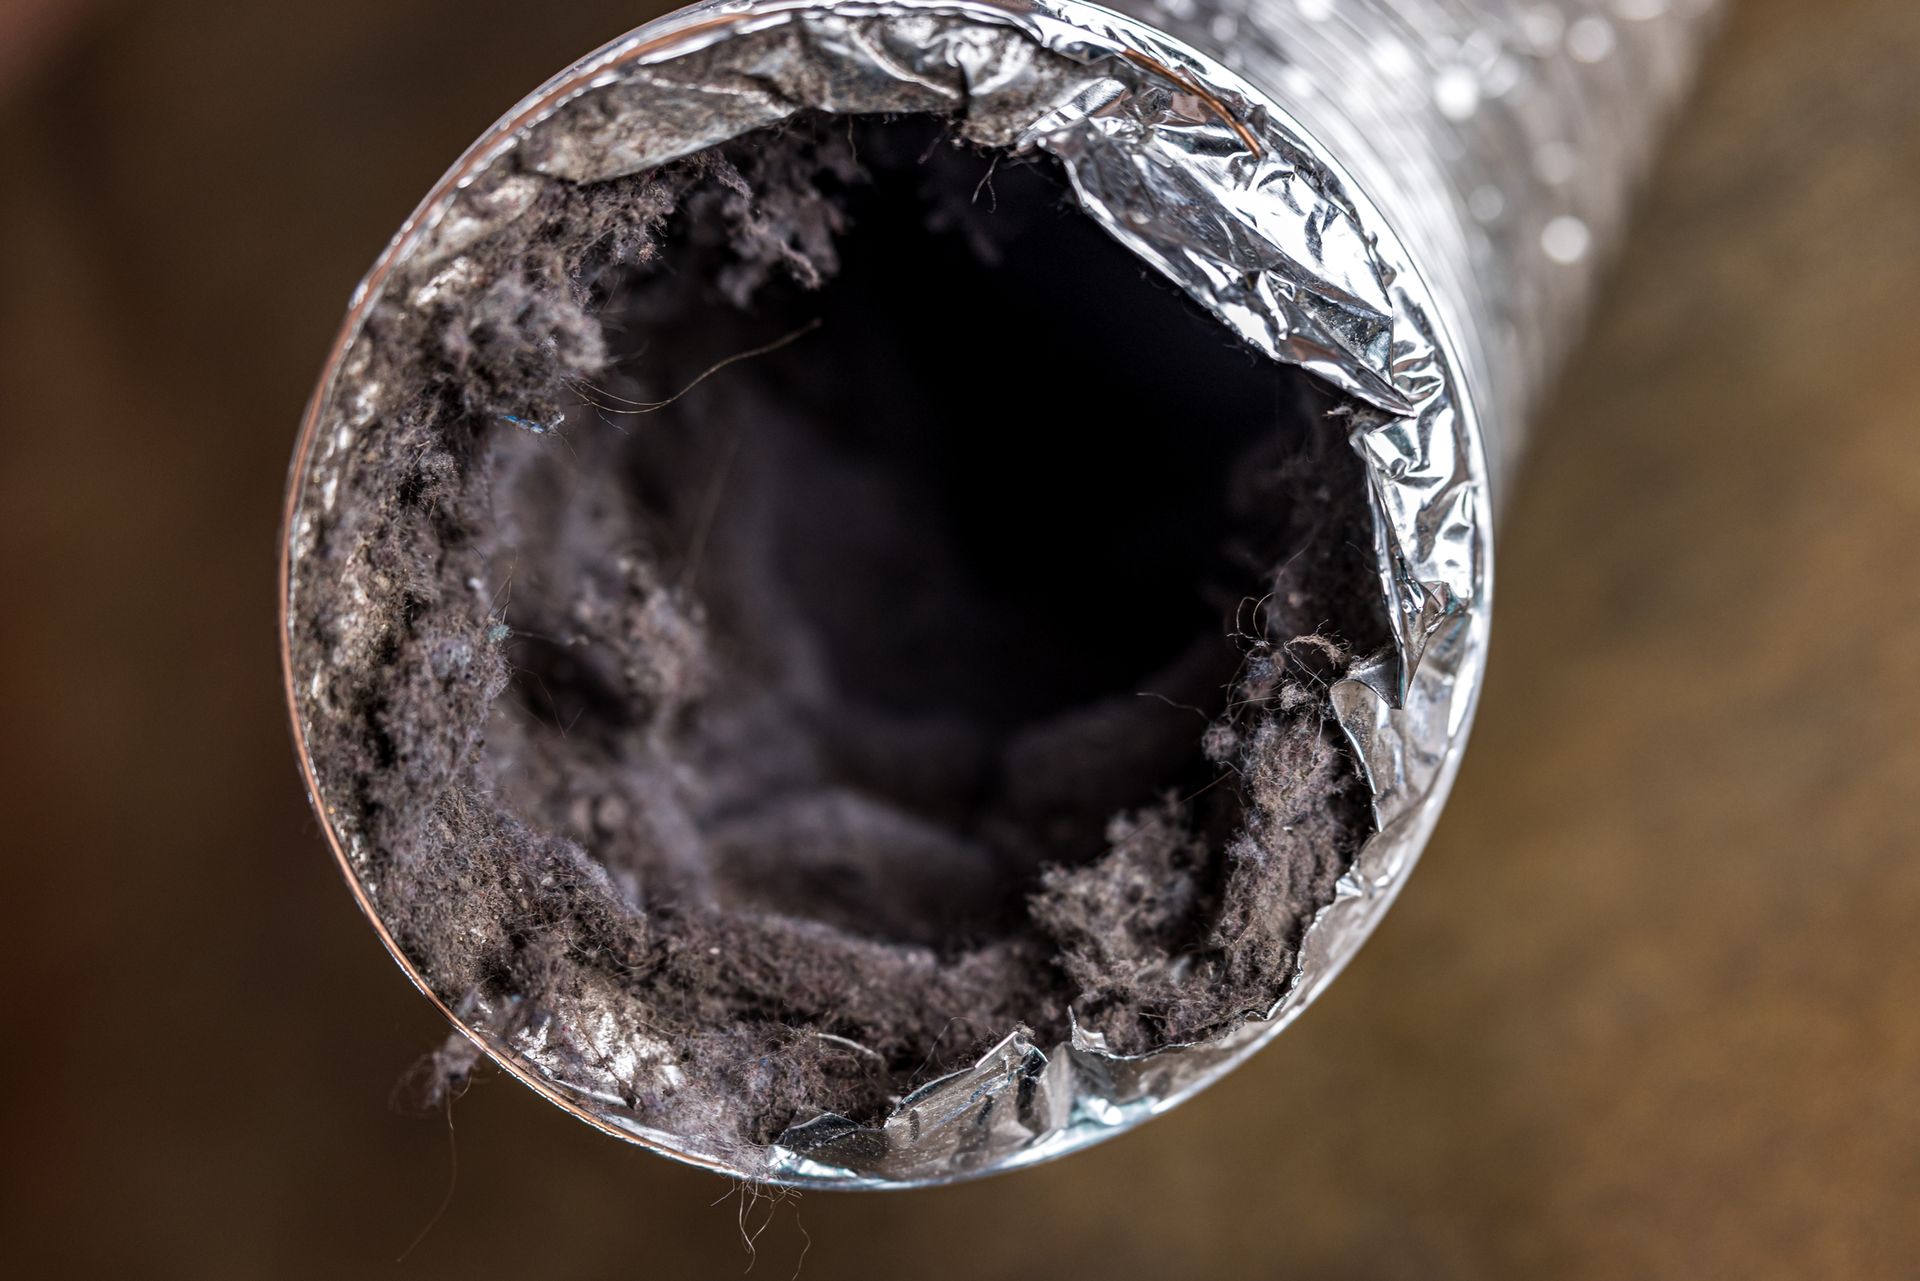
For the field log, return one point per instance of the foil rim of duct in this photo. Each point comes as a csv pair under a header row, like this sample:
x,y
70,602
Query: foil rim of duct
x,y
1135,117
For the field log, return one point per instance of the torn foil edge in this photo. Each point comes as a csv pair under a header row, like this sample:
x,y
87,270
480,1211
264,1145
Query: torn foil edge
x,y
1224,194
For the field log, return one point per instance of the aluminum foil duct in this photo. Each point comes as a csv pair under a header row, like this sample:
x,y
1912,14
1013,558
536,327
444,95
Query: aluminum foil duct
x,y
1406,198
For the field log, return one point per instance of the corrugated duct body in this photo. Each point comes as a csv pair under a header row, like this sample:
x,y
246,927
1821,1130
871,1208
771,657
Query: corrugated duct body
x,y
875,593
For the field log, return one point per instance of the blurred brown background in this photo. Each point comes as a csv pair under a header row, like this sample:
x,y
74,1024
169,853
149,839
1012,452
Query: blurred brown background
x,y
1651,1006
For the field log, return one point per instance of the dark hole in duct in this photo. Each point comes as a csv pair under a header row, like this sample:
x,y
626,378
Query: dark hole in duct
x,y
983,504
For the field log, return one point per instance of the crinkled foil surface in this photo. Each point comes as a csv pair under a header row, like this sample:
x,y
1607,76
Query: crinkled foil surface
x,y
1406,198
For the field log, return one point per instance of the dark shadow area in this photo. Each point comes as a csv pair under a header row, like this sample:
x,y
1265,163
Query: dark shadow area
x,y
976,537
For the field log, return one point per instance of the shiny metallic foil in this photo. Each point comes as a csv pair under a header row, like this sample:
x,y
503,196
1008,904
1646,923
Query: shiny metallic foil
x,y
1407,198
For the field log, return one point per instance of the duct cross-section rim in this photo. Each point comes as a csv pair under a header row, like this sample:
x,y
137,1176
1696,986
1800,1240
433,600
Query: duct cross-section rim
x,y
1275,239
